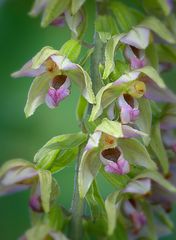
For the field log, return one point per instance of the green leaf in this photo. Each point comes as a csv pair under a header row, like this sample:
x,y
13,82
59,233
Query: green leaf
x,y
106,25
151,226
109,54
157,6
55,160
105,97
55,217
45,179
126,17
144,120
120,69
111,128
53,10
163,217
152,55
42,56
76,5
159,28
66,141
157,177
95,202
158,147
89,166
37,93
112,206
71,49
153,74
81,108
83,80
136,153
166,53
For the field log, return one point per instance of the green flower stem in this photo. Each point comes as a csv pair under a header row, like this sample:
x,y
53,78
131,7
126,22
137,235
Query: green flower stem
x,y
78,203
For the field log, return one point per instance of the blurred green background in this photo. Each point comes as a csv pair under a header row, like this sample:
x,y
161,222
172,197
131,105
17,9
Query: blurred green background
x,y
20,38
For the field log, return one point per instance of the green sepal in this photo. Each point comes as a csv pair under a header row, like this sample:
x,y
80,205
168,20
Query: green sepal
x,y
136,153
159,28
163,217
166,53
45,179
111,128
53,10
42,56
153,74
158,147
110,53
71,49
144,121
76,5
89,167
81,108
14,163
152,55
37,93
55,217
112,206
105,97
95,202
83,80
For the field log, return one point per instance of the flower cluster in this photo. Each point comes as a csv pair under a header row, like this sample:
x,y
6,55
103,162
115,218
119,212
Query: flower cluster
x,y
127,128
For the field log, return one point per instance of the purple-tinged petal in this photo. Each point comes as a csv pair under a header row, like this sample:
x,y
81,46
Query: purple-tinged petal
x,y
111,111
169,139
156,93
129,77
138,37
57,93
129,108
63,63
59,21
130,132
141,186
114,161
93,141
6,190
18,175
27,71
121,167
135,60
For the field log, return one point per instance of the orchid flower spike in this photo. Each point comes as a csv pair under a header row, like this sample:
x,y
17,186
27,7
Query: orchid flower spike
x,y
54,74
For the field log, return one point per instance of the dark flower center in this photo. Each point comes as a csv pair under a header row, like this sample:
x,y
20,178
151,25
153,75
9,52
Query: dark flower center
x,y
129,99
111,154
58,81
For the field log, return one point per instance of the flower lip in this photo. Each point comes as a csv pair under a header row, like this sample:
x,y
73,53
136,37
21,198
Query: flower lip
x,y
129,99
58,81
111,154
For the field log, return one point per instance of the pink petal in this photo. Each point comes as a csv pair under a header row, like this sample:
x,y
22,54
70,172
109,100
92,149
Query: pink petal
x,y
27,71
